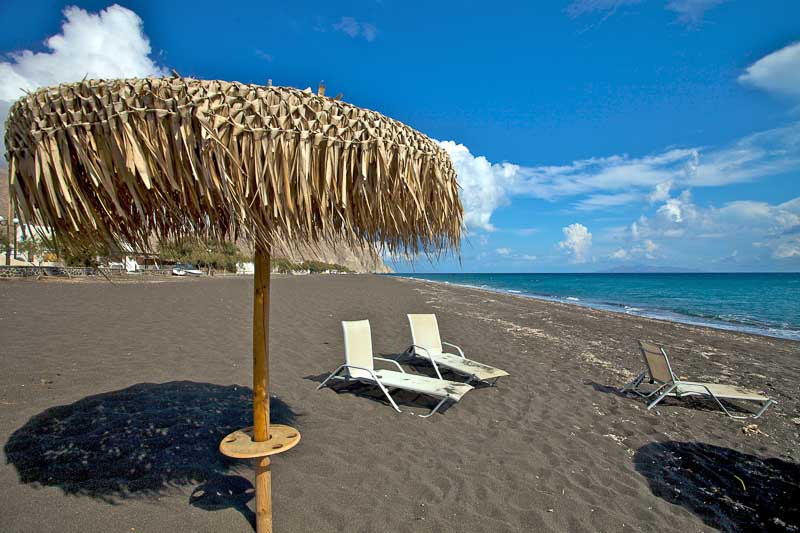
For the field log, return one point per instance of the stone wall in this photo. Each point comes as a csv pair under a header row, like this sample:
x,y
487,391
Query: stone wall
x,y
36,271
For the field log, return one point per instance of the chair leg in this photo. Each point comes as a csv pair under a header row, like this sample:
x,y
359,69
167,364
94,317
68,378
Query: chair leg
x,y
386,392
633,385
438,405
764,408
333,374
743,417
661,396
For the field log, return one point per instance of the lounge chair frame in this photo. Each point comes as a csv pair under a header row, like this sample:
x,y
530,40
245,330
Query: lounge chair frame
x,y
411,352
672,387
375,380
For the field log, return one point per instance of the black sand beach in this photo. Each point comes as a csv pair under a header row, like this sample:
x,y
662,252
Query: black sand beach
x,y
113,398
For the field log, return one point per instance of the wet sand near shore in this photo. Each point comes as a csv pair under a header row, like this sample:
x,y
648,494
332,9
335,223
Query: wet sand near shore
x,y
113,398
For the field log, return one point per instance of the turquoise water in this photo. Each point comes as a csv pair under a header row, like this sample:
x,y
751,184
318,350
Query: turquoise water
x,y
767,304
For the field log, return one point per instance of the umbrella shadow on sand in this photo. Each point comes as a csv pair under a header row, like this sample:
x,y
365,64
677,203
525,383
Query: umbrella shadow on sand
x,y
140,442
727,489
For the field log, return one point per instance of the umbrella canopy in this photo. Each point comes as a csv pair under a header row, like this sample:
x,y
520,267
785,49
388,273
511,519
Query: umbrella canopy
x,y
123,160
119,161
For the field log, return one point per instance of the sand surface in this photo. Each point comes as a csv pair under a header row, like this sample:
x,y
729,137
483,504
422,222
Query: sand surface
x,y
113,399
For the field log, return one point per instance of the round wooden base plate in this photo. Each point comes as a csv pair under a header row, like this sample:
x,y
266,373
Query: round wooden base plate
x,y
240,443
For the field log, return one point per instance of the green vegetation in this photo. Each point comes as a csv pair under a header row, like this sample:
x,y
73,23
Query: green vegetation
x,y
86,256
203,254
285,266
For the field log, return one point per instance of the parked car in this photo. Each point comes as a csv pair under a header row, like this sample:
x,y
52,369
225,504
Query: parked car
x,y
185,269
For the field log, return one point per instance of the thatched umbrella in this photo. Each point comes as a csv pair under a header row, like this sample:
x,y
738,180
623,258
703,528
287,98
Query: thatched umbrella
x,y
119,161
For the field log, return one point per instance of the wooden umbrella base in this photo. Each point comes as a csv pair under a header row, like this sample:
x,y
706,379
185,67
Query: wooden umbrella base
x,y
240,443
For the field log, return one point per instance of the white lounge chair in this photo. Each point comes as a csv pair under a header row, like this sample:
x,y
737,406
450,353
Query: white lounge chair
x,y
359,367
659,371
427,344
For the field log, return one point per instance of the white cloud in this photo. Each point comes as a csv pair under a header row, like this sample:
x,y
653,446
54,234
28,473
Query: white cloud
x,y
583,7
525,232
503,251
263,55
660,192
609,182
577,241
485,186
691,12
604,201
107,44
647,250
788,248
527,257
354,28
775,227
777,72
369,31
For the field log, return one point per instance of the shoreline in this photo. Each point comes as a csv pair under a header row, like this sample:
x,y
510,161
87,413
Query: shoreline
x,y
664,315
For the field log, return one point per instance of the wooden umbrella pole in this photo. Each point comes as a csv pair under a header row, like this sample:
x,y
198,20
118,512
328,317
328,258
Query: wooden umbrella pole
x,y
10,224
261,387
263,439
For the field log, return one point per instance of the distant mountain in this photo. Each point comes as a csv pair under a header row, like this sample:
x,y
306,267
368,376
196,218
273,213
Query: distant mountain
x,y
645,269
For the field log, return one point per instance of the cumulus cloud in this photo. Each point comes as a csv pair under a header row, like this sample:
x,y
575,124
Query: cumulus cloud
x,y
771,225
787,248
485,186
577,242
107,44
354,28
503,251
645,250
600,183
778,72
660,192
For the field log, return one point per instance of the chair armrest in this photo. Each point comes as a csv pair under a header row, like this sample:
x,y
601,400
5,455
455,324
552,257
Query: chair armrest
x,y
365,369
390,361
460,352
431,359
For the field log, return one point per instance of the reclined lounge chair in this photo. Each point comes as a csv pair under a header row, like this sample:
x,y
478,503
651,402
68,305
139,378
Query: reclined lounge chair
x,y
359,367
427,344
659,371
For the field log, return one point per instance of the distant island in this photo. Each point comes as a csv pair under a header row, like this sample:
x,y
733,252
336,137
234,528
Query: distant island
x,y
646,269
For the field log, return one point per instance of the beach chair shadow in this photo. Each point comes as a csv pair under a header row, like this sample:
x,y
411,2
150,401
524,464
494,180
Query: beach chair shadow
x,y
373,393
140,442
727,489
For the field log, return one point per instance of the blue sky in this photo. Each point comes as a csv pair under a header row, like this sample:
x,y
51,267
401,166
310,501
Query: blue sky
x,y
587,134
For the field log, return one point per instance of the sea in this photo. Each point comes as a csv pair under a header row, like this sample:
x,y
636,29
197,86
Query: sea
x,y
761,303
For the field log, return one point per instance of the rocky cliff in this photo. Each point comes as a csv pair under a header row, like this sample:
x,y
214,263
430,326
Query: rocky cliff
x,y
357,259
